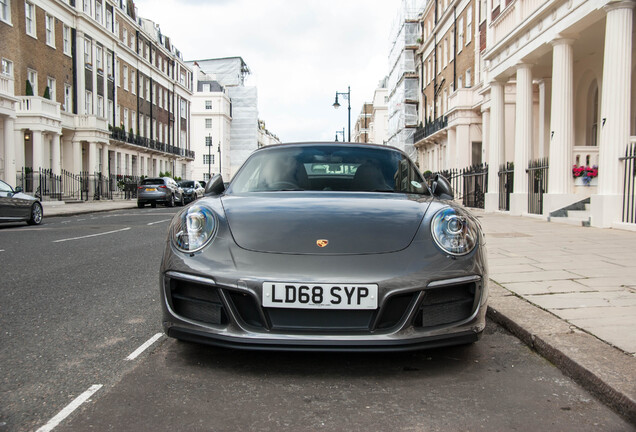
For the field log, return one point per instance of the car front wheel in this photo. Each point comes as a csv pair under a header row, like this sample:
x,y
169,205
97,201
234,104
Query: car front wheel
x,y
171,201
36,214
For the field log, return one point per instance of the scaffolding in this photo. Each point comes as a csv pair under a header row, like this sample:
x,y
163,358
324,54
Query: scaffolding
x,y
403,80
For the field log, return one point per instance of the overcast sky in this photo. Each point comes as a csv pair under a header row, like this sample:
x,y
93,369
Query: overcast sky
x,y
300,53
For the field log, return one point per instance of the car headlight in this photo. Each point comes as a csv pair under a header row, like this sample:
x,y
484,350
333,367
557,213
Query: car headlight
x,y
454,232
194,228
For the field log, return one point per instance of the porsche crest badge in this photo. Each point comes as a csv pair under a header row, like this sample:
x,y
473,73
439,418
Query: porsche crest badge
x,y
322,243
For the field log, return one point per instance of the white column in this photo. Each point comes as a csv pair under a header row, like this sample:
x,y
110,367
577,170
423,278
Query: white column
x,y
463,147
105,159
496,144
615,112
77,157
81,77
485,129
92,158
561,127
56,154
9,151
545,89
523,139
451,146
38,156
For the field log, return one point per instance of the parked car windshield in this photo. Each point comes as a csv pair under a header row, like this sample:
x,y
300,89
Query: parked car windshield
x,y
329,168
187,184
152,181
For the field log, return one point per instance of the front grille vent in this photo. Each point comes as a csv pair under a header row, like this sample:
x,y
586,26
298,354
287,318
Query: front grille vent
x,y
197,302
446,305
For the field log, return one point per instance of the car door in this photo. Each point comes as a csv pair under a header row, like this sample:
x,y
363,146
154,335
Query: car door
x,y
10,206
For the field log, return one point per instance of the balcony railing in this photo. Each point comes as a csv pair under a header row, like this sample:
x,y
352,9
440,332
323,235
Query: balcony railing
x,y
121,135
38,106
514,13
430,128
6,85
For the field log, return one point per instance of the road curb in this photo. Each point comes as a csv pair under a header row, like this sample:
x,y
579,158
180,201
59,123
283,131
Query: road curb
x,y
603,370
75,212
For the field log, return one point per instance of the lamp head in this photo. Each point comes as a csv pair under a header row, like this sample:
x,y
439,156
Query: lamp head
x,y
336,104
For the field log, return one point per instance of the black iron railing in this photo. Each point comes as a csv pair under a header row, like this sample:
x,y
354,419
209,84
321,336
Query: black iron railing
x,y
629,184
506,184
430,128
537,184
475,185
121,135
454,177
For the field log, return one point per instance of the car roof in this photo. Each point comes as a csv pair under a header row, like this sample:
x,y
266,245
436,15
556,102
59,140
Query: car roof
x,y
330,144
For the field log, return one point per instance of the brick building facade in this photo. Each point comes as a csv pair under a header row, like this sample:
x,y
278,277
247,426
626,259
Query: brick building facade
x,y
107,94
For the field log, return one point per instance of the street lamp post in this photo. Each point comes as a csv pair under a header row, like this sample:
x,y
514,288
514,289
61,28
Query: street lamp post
x,y
336,105
340,132
220,172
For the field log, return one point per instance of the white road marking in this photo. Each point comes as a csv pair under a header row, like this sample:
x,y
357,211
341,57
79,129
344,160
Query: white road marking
x,y
91,235
144,347
1,250
70,408
152,223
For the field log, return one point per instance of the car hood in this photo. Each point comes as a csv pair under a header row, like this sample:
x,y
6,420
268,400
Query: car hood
x,y
352,223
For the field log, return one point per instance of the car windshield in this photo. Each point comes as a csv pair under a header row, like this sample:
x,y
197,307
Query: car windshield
x,y
188,184
329,168
152,181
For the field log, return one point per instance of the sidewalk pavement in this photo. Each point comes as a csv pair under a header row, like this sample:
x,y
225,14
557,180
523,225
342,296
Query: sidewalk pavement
x,y
568,292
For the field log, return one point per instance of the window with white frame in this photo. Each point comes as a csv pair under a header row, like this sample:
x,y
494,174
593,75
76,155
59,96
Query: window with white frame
x,y
208,141
88,7
110,110
100,106
182,108
125,36
117,28
469,24
125,76
117,73
154,94
208,123
7,67
66,39
49,23
109,64
118,114
445,52
50,83
29,15
132,41
469,78
68,98
460,82
133,119
160,98
32,76
5,11
133,86
141,87
88,103
109,20
439,59
460,34
208,104
147,89
88,52
208,159
98,11
99,54
126,119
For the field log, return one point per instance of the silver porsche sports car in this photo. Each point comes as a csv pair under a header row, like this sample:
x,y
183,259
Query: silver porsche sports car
x,y
323,246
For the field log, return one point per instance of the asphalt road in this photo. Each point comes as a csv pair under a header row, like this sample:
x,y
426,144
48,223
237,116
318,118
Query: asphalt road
x,y
79,295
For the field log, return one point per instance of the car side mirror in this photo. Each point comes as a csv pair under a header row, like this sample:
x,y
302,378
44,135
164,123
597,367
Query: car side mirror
x,y
442,188
215,186
17,189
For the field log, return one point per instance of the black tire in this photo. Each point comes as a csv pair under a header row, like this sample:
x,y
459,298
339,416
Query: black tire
x,y
182,202
36,214
140,204
153,204
170,202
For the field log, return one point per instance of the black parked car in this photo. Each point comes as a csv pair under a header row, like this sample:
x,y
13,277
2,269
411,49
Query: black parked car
x,y
192,190
159,190
17,206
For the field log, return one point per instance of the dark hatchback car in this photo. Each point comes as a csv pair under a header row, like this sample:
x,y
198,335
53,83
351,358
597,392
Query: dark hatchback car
x,y
192,190
162,190
18,206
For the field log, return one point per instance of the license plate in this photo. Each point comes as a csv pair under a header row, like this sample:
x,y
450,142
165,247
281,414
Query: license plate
x,y
317,296
150,189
